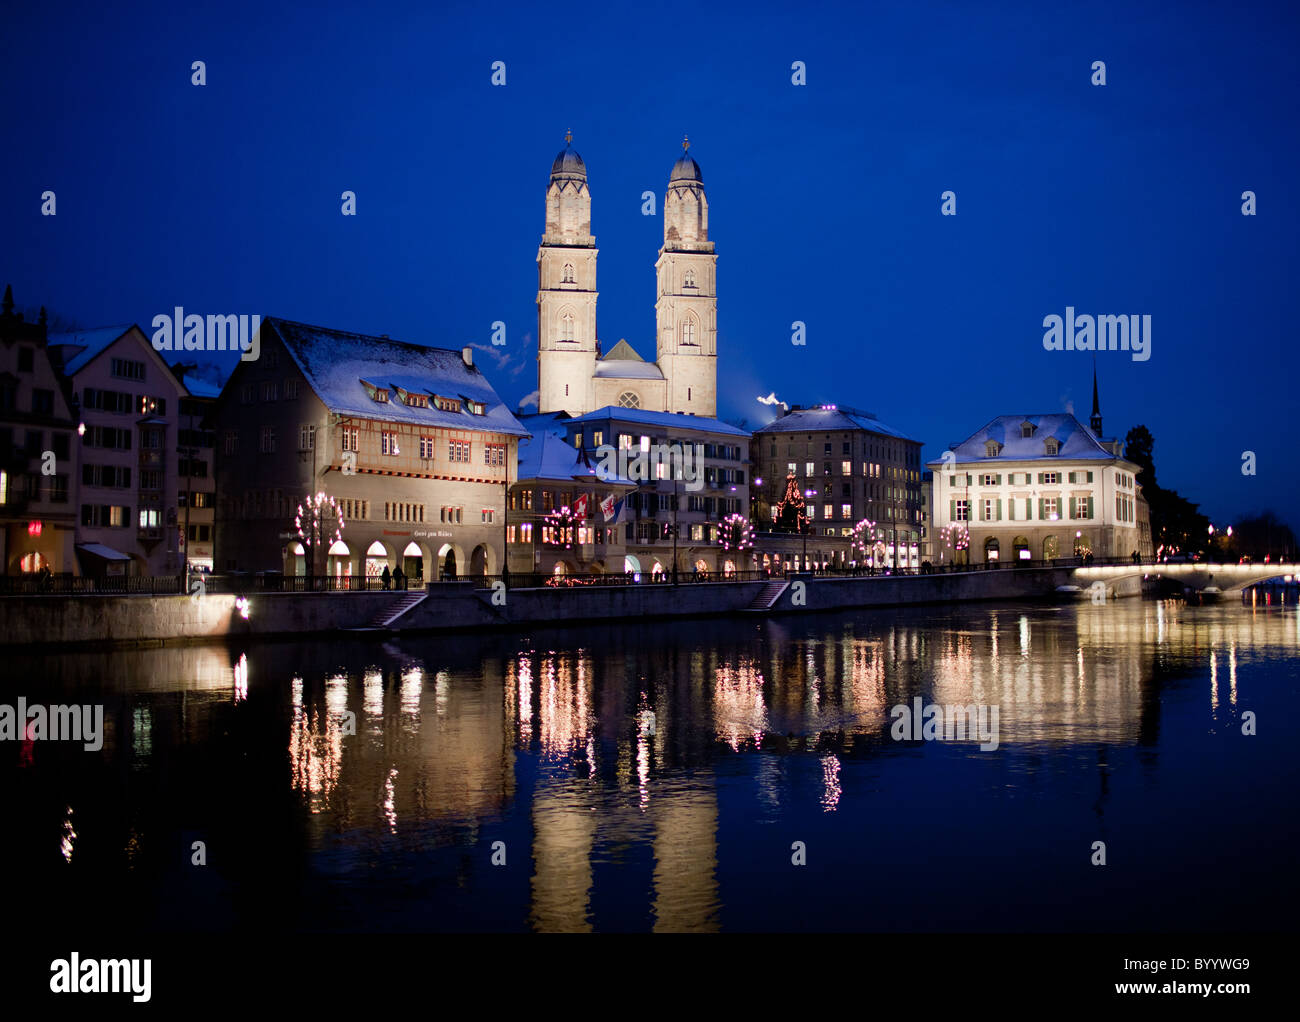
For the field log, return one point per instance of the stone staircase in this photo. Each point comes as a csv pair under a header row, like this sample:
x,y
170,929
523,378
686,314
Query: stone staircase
x,y
768,595
386,617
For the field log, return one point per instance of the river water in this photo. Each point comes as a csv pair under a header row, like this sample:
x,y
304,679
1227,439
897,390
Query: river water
x,y
519,782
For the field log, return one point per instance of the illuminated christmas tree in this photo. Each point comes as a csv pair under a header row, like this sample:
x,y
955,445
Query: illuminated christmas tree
x,y
790,509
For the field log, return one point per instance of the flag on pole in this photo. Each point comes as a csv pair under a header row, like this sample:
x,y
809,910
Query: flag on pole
x,y
580,508
607,507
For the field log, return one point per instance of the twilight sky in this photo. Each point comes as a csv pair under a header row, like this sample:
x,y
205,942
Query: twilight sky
x,y
824,199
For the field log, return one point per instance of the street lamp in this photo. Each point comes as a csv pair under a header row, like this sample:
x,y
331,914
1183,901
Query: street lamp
x,y
807,526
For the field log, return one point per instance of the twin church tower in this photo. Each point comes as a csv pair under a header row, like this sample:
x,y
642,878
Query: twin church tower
x,y
574,374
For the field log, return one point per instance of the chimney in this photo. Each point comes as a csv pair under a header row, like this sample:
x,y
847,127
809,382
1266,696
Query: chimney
x,y
467,353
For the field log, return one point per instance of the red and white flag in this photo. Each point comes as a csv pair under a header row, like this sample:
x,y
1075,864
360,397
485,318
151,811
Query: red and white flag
x,y
607,507
580,508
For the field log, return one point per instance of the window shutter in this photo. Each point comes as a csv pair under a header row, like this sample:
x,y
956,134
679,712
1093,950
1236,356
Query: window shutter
x,y
1089,477
1040,509
999,509
1090,504
952,510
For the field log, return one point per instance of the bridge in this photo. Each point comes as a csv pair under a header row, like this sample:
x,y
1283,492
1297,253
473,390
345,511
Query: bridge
x,y
1229,578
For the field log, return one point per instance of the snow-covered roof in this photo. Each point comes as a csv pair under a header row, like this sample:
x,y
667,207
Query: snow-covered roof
x,y
82,346
539,422
830,419
546,455
669,420
201,388
336,361
1075,441
627,369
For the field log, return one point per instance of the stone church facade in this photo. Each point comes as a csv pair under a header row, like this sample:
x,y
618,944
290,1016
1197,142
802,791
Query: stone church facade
x,y
574,374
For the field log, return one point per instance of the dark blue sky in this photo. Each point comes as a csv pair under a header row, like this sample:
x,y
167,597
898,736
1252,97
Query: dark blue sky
x,y
824,199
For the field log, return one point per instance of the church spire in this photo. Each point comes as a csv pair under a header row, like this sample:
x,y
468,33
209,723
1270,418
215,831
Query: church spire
x,y
1095,422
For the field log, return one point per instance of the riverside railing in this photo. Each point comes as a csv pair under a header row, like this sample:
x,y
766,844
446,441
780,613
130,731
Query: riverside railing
x,y
270,582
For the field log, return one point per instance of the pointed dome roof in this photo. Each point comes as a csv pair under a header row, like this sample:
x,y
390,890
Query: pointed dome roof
x,y
568,164
686,169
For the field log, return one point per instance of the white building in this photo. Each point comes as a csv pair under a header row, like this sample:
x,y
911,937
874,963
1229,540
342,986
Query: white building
x,y
1036,487
575,374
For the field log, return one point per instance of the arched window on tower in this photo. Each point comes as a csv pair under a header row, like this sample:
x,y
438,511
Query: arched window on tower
x,y
690,279
688,332
566,327
568,274
628,400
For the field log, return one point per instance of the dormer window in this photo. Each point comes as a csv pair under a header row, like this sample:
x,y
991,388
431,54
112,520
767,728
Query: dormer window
x,y
1027,429
1052,446
992,448
416,400
446,404
376,393
477,408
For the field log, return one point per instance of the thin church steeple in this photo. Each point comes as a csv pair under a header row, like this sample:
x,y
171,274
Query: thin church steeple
x,y
1095,422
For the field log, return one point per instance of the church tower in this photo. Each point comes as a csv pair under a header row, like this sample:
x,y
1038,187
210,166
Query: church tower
x,y
686,311
566,290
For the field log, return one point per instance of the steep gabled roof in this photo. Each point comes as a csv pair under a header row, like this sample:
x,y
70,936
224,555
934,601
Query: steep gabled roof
x,y
622,350
335,362
83,346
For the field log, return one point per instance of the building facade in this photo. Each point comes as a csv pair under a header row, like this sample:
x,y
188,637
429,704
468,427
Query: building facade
x,y
38,453
196,481
684,476
410,446
849,467
129,484
575,374
1037,487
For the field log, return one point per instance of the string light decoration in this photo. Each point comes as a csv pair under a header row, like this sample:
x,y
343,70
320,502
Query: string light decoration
x,y
956,538
314,517
563,523
864,534
790,513
736,533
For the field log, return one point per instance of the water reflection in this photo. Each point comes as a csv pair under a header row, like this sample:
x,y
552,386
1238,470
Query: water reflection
x,y
634,774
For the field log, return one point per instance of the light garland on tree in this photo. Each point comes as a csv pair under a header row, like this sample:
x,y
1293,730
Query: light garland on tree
x,y
957,537
863,537
564,522
309,519
736,533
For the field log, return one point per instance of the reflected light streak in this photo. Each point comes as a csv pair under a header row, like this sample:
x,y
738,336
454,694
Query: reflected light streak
x,y
372,693
831,782
69,836
390,801
738,705
241,678
1232,674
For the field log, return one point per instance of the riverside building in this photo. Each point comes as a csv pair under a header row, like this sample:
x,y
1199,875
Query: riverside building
x,y
410,445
